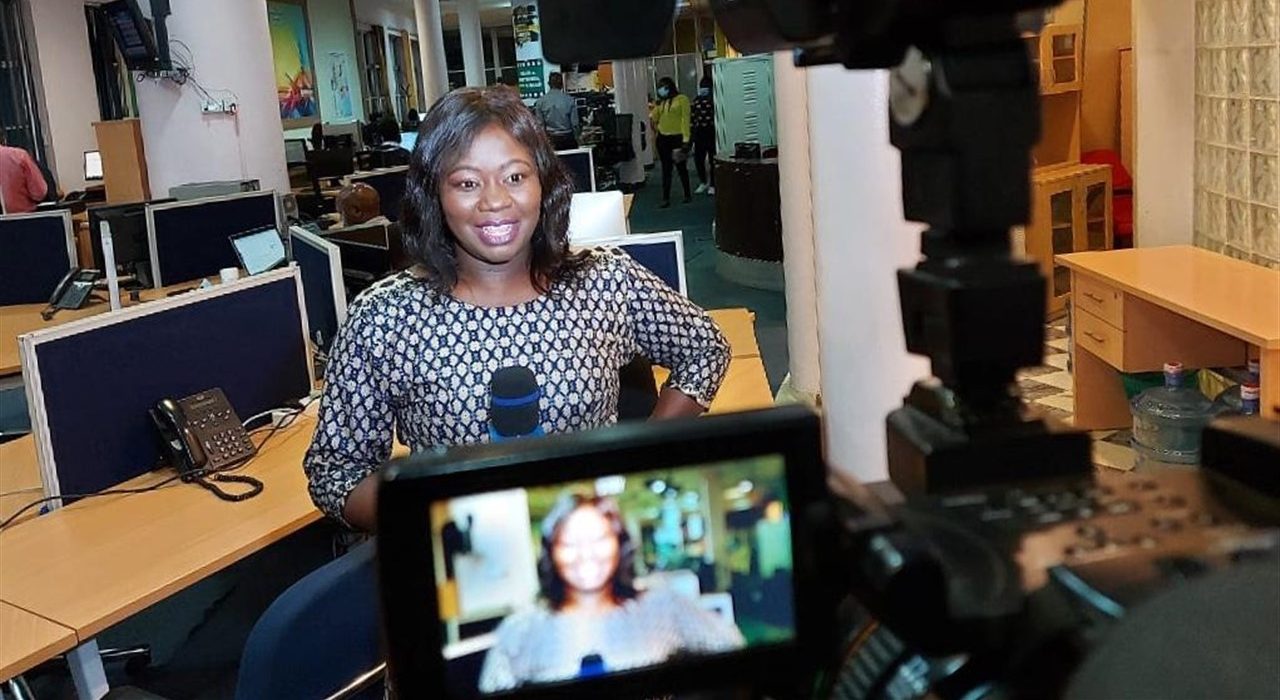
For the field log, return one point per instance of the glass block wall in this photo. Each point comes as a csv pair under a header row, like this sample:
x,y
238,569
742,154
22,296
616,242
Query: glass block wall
x,y
1237,154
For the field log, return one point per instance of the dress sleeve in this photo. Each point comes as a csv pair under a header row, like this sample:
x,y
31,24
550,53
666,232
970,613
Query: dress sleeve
x,y
354,432
675,333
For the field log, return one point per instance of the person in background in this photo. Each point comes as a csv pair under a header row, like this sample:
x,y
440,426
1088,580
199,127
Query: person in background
x,y
591,619
670,119
358,203
317,137
703,122
559,114
495,284
21,184
412,120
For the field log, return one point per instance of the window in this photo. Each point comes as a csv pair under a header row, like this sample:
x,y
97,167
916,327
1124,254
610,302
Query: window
x,y
18,108
373,65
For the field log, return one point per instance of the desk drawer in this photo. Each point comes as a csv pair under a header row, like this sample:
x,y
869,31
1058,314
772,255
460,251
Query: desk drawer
x,y
1098,298
1099,337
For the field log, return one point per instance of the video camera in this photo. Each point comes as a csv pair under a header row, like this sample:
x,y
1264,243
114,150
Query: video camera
x,y
718,553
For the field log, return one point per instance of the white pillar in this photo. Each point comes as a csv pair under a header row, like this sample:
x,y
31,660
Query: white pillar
x,y
472,41
231,50
630,79
1164,64
861,240
435,81
497,56
791,95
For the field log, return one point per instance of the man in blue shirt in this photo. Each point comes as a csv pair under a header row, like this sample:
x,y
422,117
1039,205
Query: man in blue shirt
x,y
558,113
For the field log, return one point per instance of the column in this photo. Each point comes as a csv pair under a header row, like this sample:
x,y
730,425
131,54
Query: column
x,y
631,93
435,82
231,51
472,38
497,55
860,241
791,95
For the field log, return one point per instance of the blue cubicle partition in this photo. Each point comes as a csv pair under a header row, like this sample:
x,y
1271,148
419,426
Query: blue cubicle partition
x,y
661,253
90,382
191,239
389,182
321,265
36,251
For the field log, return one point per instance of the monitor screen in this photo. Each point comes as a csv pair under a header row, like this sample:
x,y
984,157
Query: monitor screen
x,y
92,165
617,573
580,165
408,139
596,215
128,233
259,250
662,258
321,264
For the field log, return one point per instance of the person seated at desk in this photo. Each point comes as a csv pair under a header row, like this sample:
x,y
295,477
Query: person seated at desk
x,y
590,619
358,203
494,285
22,185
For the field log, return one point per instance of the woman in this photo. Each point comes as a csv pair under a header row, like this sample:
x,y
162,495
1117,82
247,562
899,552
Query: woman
x,y
485,220
703,121
592,620
670,118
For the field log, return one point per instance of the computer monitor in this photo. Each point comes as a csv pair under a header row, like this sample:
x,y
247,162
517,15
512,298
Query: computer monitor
x,y
367,253
390,184
661,253
188,240
92,165
36,251
596,216
92,382
260,250
330,163
408,140
349,129
581,165
321,264
129,243
702,531
295,151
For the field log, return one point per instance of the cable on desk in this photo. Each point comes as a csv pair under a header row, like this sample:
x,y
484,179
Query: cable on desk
x,y
202,477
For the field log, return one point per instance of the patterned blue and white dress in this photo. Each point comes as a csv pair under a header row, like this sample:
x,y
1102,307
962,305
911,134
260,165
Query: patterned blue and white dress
x,y
415,360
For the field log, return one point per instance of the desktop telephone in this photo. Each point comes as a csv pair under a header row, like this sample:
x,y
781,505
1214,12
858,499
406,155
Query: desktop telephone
x,y
72,291
201,433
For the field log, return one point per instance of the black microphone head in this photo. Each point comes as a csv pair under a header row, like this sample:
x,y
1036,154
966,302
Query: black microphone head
x,y
514,402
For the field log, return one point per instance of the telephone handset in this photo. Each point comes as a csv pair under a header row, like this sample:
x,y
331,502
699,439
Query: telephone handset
x,y
200,435
74,289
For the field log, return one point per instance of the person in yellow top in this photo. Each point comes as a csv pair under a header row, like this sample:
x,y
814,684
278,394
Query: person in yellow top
x,y
670,120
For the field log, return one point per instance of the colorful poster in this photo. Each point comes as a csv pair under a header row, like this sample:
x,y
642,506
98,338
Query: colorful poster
x,y
529,78
340,85
294,64
531,69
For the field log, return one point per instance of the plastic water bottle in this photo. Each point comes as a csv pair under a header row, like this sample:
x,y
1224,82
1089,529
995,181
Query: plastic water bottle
x,y
1230,400
1250,399
1168,420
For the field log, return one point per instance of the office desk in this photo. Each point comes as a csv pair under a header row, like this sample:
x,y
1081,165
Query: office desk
x,y
1133,310
739,328
26,640
19,477
745,387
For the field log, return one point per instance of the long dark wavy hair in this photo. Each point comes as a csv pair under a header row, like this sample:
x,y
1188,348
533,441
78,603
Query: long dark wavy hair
x,y
622,585
443,139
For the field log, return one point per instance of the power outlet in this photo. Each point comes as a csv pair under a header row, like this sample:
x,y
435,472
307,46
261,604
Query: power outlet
x,y
218,107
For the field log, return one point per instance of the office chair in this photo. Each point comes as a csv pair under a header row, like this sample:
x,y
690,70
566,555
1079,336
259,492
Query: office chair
x,y
320,638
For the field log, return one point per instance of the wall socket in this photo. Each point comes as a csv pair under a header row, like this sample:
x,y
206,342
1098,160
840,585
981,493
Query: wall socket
x,y
218,107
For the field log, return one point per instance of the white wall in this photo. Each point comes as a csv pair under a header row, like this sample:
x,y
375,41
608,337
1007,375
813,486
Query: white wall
x,y
1164,106
69,96
333,29
860,241
231,48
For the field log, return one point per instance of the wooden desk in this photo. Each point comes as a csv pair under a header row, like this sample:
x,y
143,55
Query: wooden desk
x,y
19,477
745,387
96,562
26,640
1133,310
739,328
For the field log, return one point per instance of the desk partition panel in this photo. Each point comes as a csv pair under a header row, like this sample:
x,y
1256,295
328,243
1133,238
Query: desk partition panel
x,y
191,239
661,253
90,382
389,182
36,251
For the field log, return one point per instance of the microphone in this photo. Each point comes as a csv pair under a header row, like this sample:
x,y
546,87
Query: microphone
x,y
515,404
591,665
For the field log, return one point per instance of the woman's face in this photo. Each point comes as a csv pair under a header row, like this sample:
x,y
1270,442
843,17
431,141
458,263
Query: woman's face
x,y
586,552
491,200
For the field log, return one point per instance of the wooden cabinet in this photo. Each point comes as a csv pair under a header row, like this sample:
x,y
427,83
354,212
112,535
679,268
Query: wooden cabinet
x,y
1056,54
1070,213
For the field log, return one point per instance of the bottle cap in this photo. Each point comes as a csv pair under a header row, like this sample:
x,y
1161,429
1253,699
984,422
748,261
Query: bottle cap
x,y
1250,392
1173,374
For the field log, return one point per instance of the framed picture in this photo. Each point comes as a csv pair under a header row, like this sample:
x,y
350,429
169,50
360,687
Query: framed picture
x,y
294,63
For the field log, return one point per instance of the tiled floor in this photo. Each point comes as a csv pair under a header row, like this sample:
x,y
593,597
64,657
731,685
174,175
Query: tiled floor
x,y
1048,388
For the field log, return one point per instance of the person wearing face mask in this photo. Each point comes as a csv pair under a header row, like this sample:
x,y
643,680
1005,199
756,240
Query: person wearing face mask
x,y
703,121
494,284
670,120
590,619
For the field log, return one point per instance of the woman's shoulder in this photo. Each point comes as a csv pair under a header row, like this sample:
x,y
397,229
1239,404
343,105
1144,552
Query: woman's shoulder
x,y
391,298
603,264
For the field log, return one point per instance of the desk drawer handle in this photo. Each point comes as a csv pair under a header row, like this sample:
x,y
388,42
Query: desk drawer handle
x,y
1094,297
1095,337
